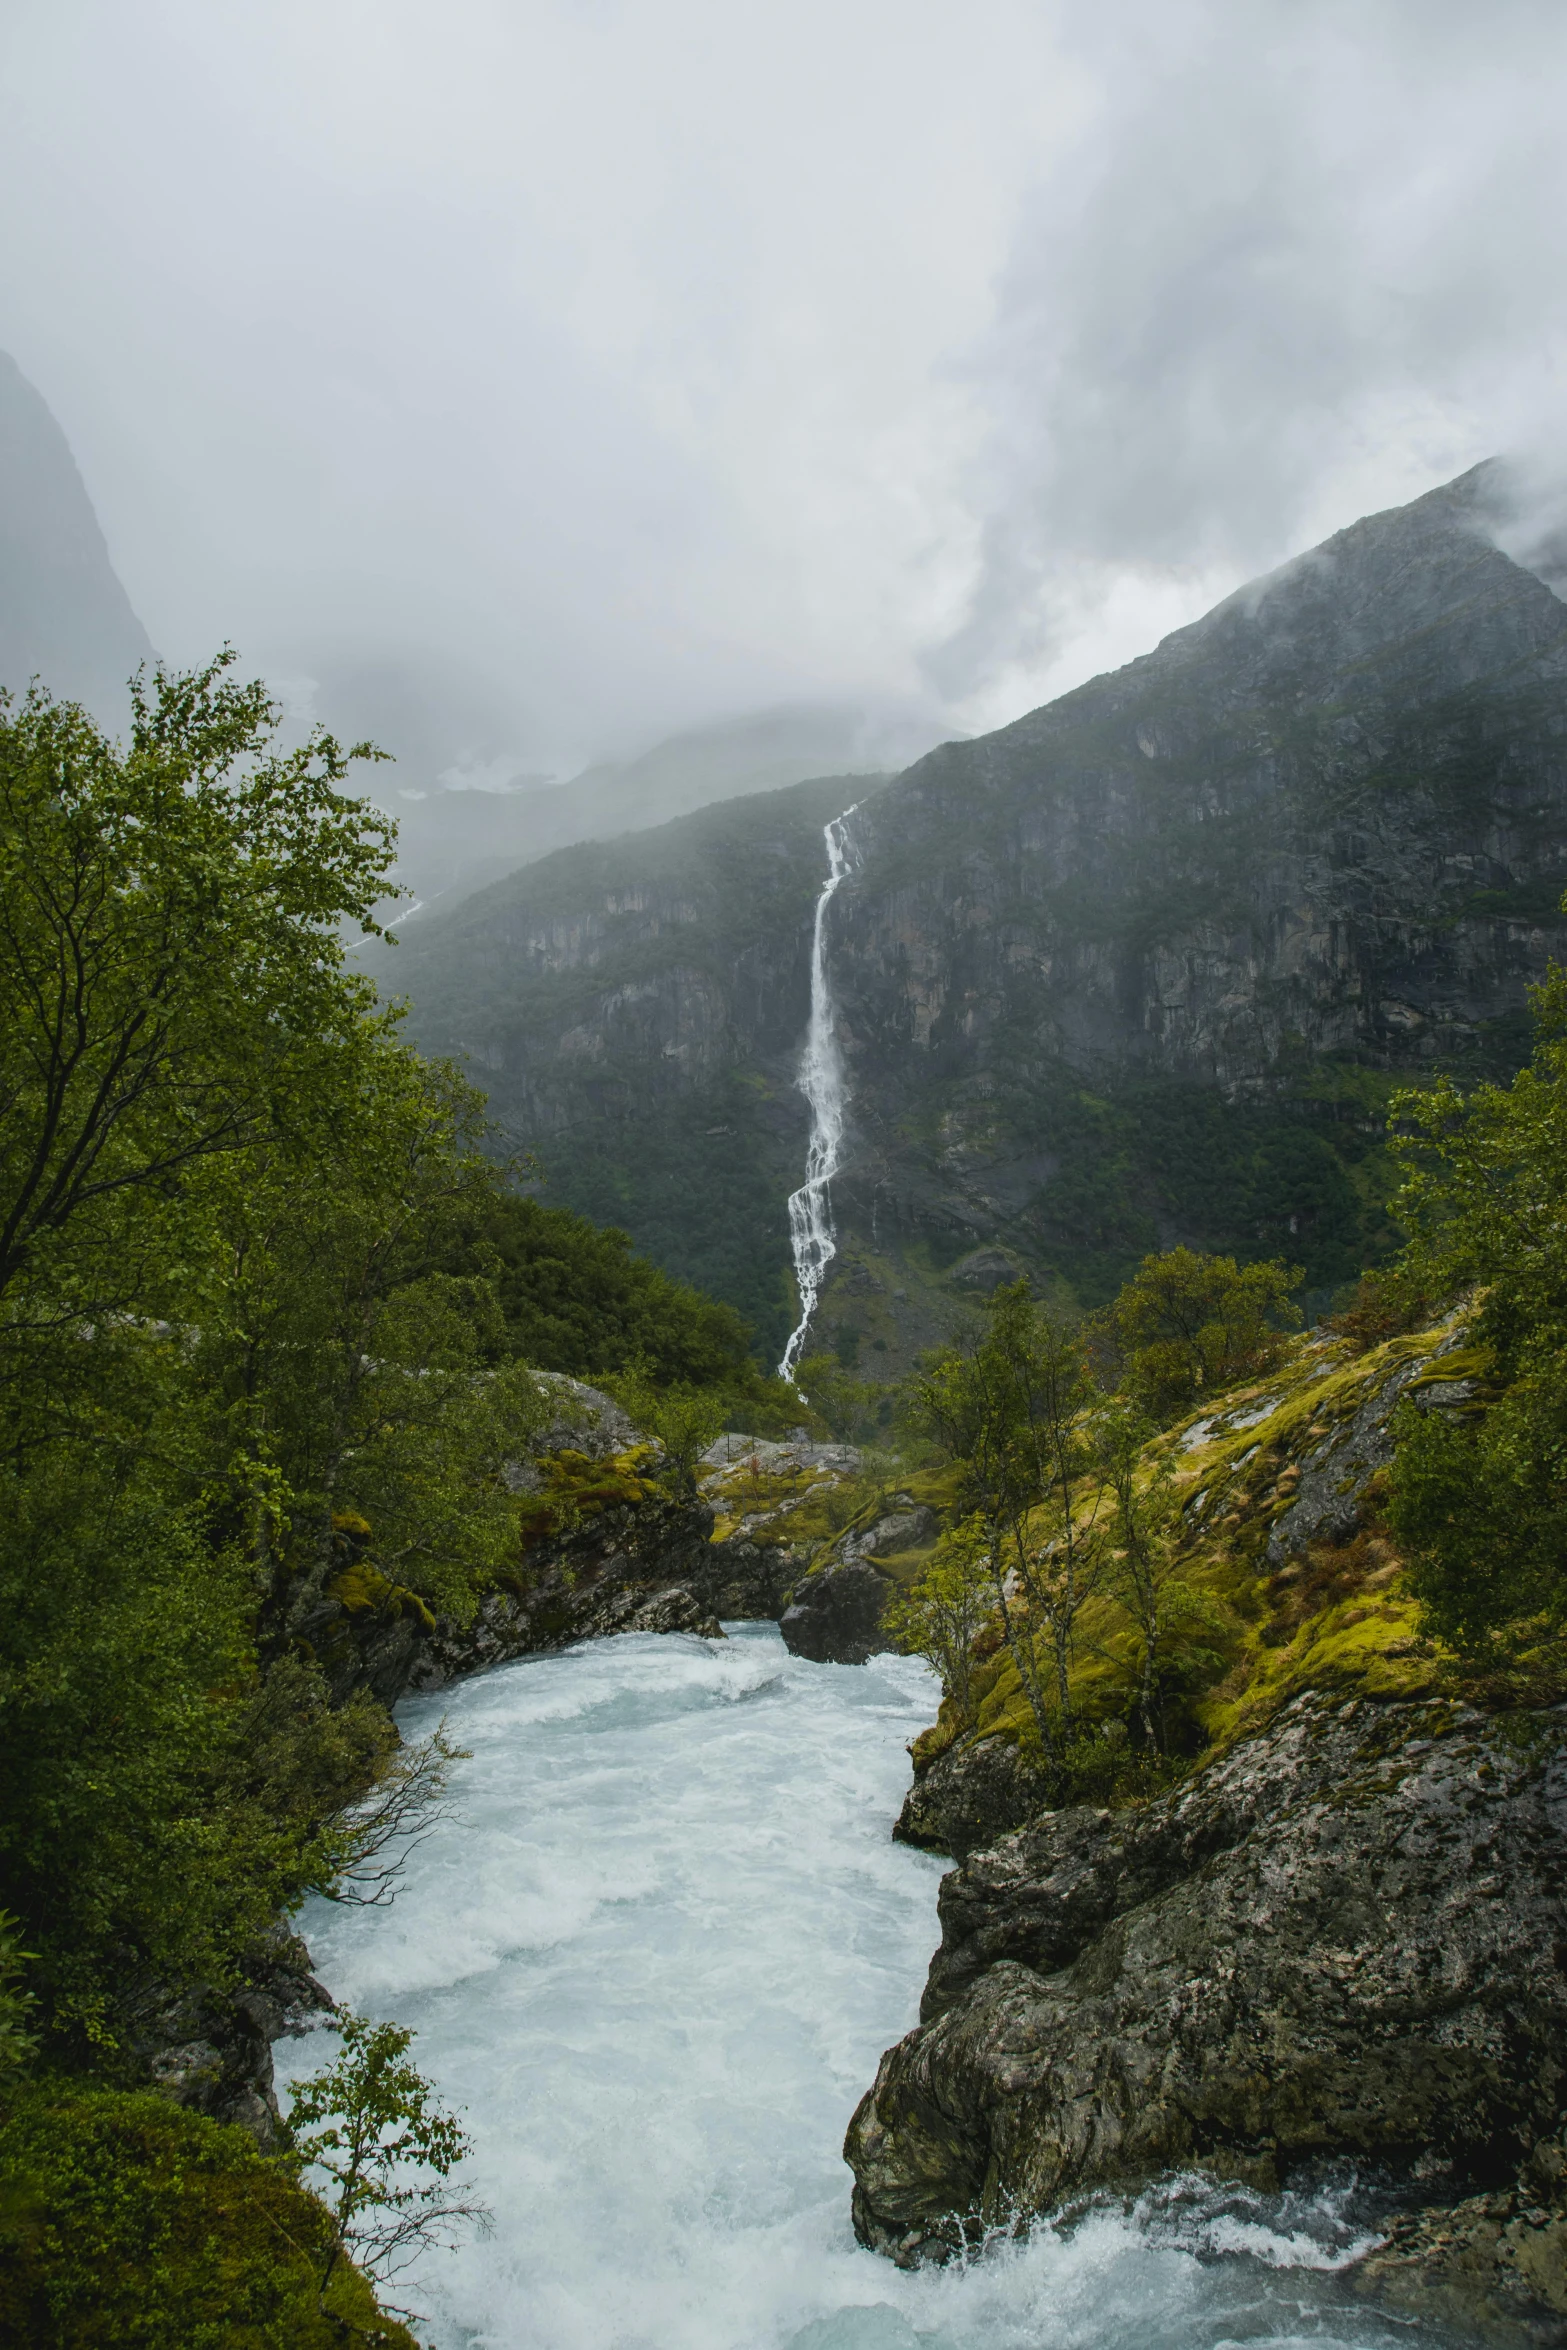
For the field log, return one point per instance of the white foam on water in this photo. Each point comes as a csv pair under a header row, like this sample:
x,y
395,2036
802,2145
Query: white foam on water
x,y
657,1958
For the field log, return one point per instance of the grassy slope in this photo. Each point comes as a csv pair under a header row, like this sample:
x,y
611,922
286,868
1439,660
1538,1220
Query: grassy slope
x,y
1338,1617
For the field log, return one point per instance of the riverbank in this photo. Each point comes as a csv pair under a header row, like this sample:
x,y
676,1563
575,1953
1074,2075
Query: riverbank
x,y
655,1963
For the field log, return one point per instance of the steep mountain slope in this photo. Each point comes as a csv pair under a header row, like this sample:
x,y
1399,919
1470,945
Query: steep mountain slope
x,y
1143,966
1148,961
633,1009
63,613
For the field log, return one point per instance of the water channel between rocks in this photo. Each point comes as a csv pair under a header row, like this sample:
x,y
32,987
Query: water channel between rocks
x,y
656,1958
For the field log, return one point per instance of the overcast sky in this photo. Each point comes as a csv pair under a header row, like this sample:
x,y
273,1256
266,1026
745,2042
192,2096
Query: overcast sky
x,y
631,362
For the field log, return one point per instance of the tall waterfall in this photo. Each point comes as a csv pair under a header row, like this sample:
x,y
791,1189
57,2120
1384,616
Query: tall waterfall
x,y
811,1232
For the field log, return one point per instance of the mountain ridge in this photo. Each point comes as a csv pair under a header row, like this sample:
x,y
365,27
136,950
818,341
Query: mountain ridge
x,y
1143,965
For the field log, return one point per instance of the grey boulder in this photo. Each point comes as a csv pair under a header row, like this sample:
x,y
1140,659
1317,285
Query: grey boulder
x,y
1348,1938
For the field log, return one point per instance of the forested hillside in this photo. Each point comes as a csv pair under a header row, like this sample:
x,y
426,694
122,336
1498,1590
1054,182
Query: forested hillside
x,y
270,1323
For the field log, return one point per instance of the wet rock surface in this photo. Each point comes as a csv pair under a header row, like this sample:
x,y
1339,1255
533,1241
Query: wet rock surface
x,y
627,1570
749,1581
908,1525
1348,1938
1336,1471
212,2051
651,1568
1495,2264
968,1798
836,1615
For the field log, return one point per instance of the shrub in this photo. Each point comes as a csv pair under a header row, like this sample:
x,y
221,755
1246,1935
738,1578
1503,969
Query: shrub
x,y
130,2224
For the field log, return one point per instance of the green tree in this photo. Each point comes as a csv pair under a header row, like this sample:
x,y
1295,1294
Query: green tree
x,y
846,1404
1173,1622
168,920
369,2124
1480,1502
344,1376
17,2039
1009,1411
940,1616
224,1186
575,1298
682,1421
1187,1325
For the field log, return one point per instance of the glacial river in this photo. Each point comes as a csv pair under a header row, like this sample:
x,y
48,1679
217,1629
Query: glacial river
x,y
656,1958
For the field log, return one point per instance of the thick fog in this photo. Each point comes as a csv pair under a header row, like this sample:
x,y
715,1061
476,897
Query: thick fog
x,y
561,375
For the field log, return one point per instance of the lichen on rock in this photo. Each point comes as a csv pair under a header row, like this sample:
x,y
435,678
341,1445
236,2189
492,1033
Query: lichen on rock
x,y
1344,1938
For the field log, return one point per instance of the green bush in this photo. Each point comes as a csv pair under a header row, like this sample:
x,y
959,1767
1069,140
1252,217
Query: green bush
x,y
1480,1503
1187,1326
129,2224
576,1299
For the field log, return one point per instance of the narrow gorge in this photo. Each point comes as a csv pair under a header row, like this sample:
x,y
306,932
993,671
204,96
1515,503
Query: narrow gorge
x,y
656,1963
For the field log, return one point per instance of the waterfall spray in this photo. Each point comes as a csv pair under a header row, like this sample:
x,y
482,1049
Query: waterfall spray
x,y
811,1232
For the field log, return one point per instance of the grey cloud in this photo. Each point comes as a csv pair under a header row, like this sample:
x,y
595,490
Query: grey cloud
x,y
527,381
1305,260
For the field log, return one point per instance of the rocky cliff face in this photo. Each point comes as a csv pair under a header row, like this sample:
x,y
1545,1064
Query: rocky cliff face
x,y
1143,966
1321,832
1348,1938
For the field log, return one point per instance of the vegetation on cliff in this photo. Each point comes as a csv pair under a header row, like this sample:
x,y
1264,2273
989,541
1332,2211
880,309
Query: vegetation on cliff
x,y
1174,1517
1143,968
596,993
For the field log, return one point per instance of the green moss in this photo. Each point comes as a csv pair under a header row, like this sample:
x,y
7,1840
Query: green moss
x,y
362,1587
1339,1618
576,1486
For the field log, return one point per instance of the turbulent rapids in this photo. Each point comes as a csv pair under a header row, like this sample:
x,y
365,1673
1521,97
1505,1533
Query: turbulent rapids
x,y
811,1232
656,1958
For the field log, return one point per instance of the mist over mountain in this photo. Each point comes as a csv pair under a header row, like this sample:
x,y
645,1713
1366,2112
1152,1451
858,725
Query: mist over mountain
x,y
64,617
453,840
1143,966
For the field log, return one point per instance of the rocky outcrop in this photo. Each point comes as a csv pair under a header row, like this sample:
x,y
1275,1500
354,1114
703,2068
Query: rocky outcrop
x,y
908,1525
1494,2265
1346,1938
744,1580
647,1567
641,1569
836,1615
1336,1469
212,2051
971,1796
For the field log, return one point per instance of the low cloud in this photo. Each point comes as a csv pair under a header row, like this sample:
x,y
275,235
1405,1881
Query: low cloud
x,y
536,376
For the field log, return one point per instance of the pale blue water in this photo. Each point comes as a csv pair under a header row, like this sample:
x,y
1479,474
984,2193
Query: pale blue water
x,y
657,1960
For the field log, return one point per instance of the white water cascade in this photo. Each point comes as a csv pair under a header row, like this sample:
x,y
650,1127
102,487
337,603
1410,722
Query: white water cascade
x,y
656,1957
811,1232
